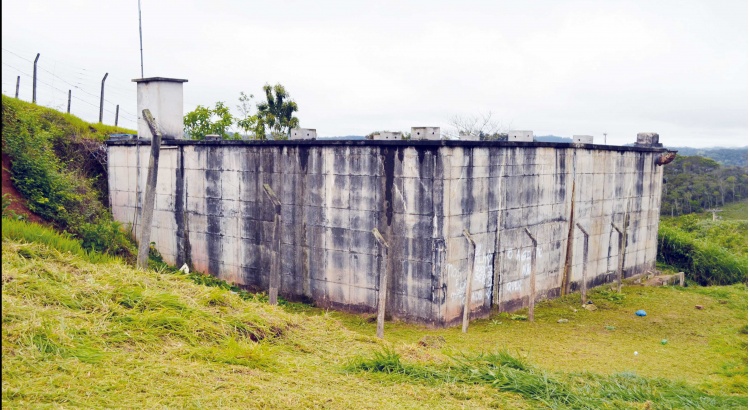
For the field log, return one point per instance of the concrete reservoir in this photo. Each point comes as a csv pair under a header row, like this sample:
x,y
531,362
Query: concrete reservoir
x,y
211,213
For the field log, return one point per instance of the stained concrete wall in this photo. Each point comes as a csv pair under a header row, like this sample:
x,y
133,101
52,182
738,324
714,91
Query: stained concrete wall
x,y
212,214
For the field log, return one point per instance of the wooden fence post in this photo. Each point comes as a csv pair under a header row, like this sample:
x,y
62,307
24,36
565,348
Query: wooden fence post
x,y
148,202
469,280
383,286
274,279
620,256
585,263
532,277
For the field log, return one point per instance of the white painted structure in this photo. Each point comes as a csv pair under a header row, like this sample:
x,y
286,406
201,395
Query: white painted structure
x,y
388,136
425,133
303,134
523,136
163,97
583,139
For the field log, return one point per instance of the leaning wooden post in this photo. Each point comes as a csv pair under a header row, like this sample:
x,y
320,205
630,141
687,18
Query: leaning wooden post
x,y
148,203
585,262
383,287
532,277
275,277
620,257
469,280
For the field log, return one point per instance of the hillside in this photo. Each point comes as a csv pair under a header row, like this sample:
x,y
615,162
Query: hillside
x,y
57,164
84,330
727,156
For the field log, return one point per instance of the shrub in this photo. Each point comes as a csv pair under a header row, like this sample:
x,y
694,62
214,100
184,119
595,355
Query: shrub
x,y
703,261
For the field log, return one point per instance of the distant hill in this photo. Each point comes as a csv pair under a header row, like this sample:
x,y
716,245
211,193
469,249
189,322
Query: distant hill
x,y
344,137
724,156
552,138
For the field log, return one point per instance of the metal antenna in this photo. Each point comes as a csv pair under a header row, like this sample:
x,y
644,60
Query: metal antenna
x,y
140,34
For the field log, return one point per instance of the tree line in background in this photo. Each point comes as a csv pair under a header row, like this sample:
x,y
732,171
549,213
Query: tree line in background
x,y
724,156
694,184
272,118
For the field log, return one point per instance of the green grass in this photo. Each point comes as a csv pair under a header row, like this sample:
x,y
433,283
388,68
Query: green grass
x,y
710,252
79,331
735,211
29,232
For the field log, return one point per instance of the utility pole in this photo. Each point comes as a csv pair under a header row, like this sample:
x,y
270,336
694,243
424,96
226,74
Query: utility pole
x,y
140,34
117,113
605,138
101,99
33,95
18,82
68,101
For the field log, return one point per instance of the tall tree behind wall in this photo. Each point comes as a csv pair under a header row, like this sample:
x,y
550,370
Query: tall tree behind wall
x,y
693,184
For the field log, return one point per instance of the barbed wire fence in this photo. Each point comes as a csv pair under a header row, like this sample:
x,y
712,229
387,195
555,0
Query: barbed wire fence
x,y
62,85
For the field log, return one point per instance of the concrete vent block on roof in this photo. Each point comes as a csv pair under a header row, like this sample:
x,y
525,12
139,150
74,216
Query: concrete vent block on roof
x,y
304,134
647,139
425,133
387,135
523,136
583,139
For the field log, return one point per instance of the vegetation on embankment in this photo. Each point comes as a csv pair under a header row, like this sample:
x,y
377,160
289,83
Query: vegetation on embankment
x,y
81,330
694,183
58,163
711,252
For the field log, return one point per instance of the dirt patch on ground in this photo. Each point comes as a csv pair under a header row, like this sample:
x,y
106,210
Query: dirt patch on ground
x,y
18,202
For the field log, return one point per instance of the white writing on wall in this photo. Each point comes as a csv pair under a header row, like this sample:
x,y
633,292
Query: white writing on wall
x,y
482,277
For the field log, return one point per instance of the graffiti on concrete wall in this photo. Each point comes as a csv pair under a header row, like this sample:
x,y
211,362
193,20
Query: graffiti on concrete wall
x,y
483,272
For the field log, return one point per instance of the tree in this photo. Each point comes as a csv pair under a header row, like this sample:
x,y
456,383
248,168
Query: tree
x,y
276,113
204,121
481,126
248,122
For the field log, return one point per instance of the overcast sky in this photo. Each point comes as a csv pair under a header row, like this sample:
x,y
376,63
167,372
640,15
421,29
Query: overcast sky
x,y
678,68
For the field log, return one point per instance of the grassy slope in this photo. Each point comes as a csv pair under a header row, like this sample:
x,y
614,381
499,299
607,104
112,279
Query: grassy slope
x,y
77,334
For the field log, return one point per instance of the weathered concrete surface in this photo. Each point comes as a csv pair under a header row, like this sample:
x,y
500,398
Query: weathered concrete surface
x,y
212,214
163,97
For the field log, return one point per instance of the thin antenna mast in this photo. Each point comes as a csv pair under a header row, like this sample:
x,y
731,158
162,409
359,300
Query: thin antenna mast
x,y
140,34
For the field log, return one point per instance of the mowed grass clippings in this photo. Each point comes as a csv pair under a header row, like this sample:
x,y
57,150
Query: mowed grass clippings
x,y
79,334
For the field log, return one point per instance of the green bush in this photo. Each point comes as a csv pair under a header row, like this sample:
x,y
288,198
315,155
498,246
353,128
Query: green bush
x,y
704,261
51,166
